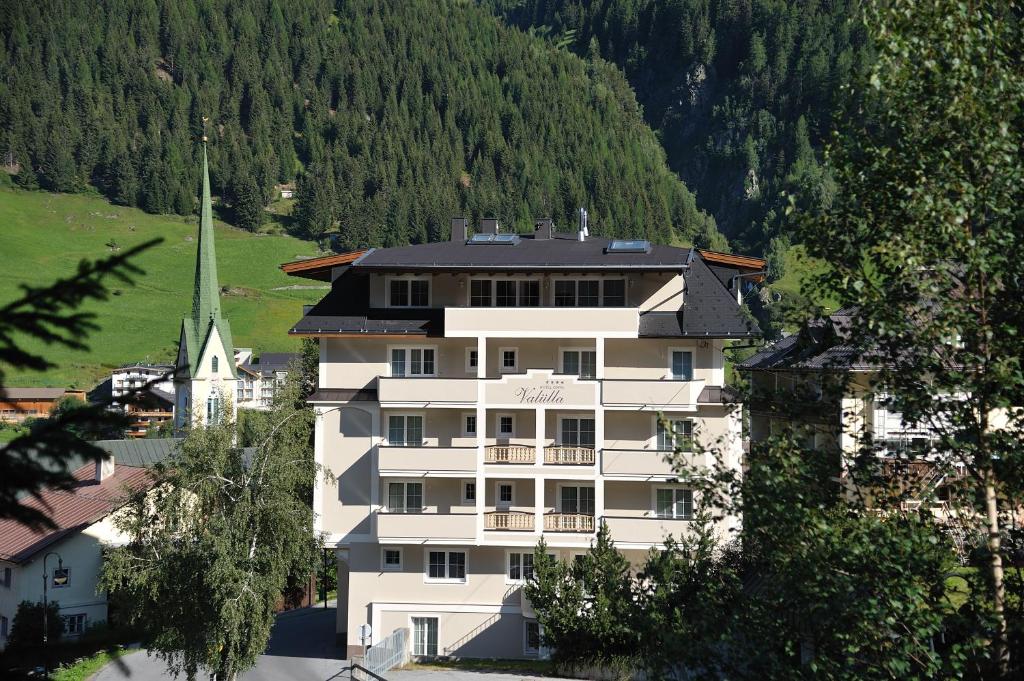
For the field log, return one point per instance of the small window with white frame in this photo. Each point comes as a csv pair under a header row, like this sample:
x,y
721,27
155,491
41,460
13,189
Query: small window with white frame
x,y
505,425
413,361
680,364
74,625
468,425
472,360
508,360
504,493
673,502
469,492
445,566
519,566
674,432
579,362
409,292
391,559
531,637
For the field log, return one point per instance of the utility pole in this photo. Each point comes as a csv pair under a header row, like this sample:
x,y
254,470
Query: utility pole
x,y
46,582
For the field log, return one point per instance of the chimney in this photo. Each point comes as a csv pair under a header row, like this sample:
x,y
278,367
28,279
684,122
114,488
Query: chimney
x,y
489,226
460,229
543,228
104,468
583,231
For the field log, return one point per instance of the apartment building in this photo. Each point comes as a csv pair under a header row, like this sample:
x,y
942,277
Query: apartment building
x,y
259,379
478,394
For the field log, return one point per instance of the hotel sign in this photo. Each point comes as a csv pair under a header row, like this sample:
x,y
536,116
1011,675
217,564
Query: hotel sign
x,y
541,390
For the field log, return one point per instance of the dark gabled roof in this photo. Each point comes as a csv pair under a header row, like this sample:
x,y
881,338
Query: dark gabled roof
x,y
31,393
561,252
819,346
709,311
269,363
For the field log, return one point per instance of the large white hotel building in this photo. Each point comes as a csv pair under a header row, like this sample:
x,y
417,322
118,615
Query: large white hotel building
x,y
480,393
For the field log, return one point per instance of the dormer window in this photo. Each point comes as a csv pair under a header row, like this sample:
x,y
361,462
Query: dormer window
x,y
409,293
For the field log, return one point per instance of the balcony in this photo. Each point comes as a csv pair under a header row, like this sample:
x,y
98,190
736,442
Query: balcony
x,y
528,322
437,527
426,391
512,521
645,530
643,463
651,395
568,522
569,456
509,454
437,460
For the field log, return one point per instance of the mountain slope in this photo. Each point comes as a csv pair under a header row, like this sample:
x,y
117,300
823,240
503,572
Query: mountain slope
x,y
400,114
43,236
740,91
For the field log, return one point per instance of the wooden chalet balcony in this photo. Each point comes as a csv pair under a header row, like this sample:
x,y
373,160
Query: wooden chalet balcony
x,y
568,522
508,520
509,454
569,456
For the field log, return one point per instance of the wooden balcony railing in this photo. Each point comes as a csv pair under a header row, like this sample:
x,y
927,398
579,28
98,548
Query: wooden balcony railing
x,y
509,454
571,456
508,520
568,522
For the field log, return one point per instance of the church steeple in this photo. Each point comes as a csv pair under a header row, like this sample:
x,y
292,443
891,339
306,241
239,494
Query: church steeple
x,y
206,316
205,292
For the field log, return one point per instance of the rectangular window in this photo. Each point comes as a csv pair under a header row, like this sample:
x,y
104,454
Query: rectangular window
x,y
582,363
614,292
469,426
674,503
446,565
480,293
506,425
578,500
391,560
682,365
424,636
505,293
504,494
529,293
587,293
520,566
471,361
409,293
469,492
405,497
509,359
74,625
413,362
405,431
680,432
5,578
577,432
531,638
565,293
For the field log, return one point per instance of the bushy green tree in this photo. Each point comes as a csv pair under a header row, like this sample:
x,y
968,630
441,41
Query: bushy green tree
x,y
26,633
213,546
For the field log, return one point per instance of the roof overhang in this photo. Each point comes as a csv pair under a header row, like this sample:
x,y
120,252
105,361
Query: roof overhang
x,y
320,268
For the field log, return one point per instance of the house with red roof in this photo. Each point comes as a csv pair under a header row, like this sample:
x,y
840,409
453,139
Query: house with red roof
x,y
84,519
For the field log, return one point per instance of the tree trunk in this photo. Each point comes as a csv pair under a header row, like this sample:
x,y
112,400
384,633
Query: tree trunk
x,y
1001,652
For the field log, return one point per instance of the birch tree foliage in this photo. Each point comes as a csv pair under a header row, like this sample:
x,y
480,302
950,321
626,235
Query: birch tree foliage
x,y
925,241
215,541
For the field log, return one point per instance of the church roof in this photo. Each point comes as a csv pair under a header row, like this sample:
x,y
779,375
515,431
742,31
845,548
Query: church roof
x,y
206,313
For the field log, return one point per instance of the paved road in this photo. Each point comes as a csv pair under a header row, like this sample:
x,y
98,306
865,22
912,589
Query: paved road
x,y
301,648
457,675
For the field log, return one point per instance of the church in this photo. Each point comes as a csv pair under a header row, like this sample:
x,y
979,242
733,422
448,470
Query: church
x,y
205,377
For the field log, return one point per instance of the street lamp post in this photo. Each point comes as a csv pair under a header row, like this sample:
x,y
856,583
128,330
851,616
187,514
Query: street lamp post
x,y
46,582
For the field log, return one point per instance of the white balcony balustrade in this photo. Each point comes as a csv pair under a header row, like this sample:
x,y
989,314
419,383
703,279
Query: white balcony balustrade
x,y
514,521
509,454
569,456
568,522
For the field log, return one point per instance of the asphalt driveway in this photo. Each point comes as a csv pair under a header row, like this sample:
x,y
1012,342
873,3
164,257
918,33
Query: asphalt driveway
x,y
301,647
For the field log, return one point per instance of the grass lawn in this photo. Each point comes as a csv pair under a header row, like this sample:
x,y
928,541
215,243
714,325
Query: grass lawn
x,y
534,667
85,668
43,236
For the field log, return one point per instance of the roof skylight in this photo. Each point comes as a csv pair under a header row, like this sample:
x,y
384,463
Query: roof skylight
x,y
629,246
506,239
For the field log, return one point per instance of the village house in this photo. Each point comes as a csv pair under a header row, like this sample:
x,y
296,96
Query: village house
x,y
479,394
18,404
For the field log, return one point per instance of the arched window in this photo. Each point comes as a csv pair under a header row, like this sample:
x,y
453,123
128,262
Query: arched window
x,y
216,363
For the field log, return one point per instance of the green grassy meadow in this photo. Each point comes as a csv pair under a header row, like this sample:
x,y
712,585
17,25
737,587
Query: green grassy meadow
x,y
43,236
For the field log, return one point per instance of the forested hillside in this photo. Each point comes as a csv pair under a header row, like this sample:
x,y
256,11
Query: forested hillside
x,y
740,91
392,116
